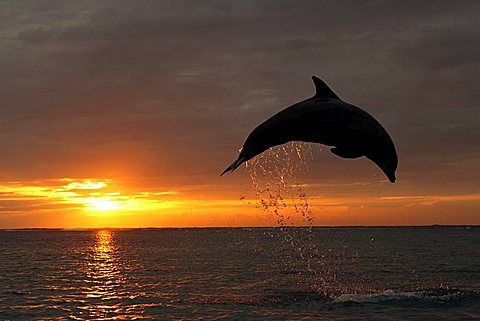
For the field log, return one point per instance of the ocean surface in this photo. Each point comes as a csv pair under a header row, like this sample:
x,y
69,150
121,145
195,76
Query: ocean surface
x,y
405,273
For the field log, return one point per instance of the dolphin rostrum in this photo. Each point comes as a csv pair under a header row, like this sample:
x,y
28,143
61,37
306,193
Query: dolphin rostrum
x,y
324,119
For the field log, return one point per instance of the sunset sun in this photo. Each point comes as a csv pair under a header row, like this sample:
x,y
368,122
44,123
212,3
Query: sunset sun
x,y
102,204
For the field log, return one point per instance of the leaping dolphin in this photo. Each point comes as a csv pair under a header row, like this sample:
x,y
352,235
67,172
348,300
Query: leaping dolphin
x,y
327,120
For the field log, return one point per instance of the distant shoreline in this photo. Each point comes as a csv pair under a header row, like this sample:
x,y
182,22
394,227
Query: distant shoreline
x,y
240,227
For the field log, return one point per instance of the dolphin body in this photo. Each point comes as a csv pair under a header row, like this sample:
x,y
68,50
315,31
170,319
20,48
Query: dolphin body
x,y
324,119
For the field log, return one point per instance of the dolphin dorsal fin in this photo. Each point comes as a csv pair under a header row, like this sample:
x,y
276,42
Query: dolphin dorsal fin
x,y
322,90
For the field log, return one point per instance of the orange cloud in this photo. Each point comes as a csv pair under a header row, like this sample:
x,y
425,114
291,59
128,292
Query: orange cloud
x,y
75,194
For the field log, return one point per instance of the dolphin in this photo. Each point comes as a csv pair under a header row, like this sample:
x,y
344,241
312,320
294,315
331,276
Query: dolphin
x,y
324,119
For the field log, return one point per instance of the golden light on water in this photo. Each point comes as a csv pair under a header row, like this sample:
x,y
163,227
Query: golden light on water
x,y
103,246
102,278
105,290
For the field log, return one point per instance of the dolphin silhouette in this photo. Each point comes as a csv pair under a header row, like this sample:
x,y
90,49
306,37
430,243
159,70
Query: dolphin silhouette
x,y
324,119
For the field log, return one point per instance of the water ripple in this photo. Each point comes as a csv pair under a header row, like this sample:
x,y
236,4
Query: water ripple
x,y
236,274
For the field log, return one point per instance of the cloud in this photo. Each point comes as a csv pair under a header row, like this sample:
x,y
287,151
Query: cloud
x,y
170,89
69,194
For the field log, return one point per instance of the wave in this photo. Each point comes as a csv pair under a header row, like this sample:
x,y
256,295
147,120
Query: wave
x,y
438,294
434,296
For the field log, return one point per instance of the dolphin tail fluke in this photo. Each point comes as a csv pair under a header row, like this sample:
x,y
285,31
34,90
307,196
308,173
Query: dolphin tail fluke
x,y
234,165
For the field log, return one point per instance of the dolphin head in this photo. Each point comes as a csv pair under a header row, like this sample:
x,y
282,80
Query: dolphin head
x,y
259,140
389,167
386,158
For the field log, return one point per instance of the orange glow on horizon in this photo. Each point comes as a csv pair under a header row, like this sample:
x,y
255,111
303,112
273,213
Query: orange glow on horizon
x,y
78,203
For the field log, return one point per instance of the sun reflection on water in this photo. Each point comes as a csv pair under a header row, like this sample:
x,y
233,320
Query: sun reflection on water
x,y
106,292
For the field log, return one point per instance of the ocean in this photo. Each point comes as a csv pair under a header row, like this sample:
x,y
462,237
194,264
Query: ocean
x,y
375,273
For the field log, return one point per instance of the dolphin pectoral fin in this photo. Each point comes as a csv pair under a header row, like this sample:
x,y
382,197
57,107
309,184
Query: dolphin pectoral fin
x,y
234,165
346,153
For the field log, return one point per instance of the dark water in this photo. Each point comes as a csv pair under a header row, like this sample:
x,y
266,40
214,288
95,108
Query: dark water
x,y
327,274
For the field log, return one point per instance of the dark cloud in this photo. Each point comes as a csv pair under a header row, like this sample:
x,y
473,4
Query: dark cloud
x,y
171,88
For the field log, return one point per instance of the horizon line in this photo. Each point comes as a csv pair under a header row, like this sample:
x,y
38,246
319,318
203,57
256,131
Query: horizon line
x,y
234,227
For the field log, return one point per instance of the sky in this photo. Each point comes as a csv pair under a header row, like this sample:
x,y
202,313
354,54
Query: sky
x,y
124,113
